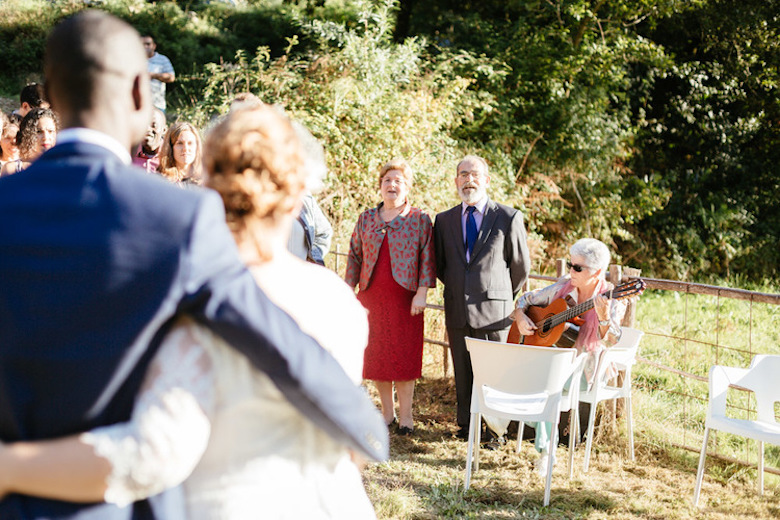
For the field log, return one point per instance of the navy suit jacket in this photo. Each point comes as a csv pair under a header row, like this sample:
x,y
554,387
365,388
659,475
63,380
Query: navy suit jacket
x,y
96,258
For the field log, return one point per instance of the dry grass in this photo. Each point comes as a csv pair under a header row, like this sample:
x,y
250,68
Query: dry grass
x,y
424,478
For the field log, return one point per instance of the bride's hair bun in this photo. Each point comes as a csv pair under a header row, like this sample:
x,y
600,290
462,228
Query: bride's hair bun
x,y
255,161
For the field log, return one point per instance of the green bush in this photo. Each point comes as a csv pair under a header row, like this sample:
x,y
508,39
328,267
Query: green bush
x,y
368,99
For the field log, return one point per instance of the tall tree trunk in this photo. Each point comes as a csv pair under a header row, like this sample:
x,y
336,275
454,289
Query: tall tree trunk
x,y
403,20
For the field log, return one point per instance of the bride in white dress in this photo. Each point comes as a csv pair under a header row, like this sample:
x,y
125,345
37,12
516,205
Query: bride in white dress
x,y
204,414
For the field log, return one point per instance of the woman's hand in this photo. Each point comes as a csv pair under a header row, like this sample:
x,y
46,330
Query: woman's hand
x,y
4,469
358,460
525,326
418,304
602,306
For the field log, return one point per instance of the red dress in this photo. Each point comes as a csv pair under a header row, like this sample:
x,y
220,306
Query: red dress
x,y
395,337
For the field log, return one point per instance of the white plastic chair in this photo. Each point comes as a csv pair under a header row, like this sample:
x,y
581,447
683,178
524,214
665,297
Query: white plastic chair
x,y
760,378
623,356
518,382
569,403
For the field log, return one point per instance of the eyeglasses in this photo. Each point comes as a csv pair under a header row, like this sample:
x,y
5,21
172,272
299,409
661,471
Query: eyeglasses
x,y
476,174
577,267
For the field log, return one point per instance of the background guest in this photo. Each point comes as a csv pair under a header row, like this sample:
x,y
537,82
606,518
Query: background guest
x,y
391,259
180,154
37,133
160,71
9,152
31,96
482,259
147,154
310,232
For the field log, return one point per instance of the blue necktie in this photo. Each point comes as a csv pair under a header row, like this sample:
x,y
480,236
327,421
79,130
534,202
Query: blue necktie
x,y
471,230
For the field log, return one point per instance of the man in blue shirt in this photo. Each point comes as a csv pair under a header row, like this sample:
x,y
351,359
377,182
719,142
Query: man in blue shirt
x,y
160,71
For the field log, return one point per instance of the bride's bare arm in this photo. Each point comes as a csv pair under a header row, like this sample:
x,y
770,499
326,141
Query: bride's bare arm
x,y
64,469
157,449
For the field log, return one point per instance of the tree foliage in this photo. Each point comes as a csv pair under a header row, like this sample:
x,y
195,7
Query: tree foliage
x,y
711,131
368,100
650,124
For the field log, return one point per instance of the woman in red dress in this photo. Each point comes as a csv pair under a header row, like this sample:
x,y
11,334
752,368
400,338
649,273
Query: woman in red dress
x,y
391,260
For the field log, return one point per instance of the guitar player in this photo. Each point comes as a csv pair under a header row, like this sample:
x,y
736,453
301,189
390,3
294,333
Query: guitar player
x,y
594,330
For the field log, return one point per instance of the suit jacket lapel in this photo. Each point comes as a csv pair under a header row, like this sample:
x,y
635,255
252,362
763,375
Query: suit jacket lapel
x,y
456,228
484,230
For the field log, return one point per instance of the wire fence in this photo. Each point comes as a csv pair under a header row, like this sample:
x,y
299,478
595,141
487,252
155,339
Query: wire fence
x,y
705,325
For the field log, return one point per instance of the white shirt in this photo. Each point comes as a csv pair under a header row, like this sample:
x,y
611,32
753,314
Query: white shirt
x,y
88,135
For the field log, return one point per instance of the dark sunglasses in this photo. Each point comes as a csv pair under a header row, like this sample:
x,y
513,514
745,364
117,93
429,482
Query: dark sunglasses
x,y
577,267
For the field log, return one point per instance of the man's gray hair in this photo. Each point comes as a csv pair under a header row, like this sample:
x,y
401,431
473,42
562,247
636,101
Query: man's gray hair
x,y
595,252
473,158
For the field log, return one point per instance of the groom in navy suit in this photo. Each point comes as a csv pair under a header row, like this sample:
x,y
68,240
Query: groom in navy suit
x,y
96,259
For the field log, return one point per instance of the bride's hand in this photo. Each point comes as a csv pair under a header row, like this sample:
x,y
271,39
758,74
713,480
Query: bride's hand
x,y
358,460
3,470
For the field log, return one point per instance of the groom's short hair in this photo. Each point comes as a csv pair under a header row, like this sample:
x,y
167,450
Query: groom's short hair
x,y
86,55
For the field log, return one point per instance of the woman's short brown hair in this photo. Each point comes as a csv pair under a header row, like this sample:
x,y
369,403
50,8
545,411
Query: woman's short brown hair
x,y
400,165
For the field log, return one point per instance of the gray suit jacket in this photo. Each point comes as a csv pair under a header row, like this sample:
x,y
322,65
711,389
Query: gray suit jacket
x,y
481,293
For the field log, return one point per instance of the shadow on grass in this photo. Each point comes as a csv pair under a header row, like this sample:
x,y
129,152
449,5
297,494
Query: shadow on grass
x,y
424,478
430,466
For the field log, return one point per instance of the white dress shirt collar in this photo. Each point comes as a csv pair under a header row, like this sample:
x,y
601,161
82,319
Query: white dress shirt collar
x,y
88,135
479,205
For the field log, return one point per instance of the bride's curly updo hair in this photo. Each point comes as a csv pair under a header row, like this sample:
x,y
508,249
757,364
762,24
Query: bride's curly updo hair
x,y
255,161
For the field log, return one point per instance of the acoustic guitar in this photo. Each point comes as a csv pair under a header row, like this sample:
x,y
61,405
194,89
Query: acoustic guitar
x,y
551,320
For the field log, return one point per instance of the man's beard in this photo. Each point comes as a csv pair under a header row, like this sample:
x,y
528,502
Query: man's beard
x,y
474,196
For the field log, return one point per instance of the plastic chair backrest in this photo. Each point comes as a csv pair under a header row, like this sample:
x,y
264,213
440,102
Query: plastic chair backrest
x,y
628,342
623,353
519,369
761,378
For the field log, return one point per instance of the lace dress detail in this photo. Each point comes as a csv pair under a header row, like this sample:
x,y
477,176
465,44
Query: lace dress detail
x,y
205,414
170,428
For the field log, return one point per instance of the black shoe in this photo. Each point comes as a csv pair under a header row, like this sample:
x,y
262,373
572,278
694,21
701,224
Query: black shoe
x,y
463,433
392,423
405,430
492,441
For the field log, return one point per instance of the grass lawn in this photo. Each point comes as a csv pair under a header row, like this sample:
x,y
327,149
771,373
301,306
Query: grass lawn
x,y
424,477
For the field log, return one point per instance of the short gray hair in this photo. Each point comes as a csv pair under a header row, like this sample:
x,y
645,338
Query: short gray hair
x,y
473,158
595,252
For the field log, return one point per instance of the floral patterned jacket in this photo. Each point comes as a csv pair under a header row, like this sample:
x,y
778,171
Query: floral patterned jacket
x,y
410,239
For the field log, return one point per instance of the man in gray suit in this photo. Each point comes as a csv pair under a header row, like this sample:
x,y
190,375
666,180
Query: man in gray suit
x,y
482,260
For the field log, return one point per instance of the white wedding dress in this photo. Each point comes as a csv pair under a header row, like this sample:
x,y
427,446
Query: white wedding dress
x,y
207,416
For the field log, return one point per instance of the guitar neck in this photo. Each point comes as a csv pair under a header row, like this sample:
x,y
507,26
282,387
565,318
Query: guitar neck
x,y
571,312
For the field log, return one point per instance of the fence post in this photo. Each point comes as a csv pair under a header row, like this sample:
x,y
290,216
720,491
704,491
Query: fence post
x,y
560,267
630,318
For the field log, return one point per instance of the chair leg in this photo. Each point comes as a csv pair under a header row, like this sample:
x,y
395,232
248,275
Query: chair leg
x,y
469,456
700,471
573,420
589,441
550,462
476,423
760,468
520,429
630,426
